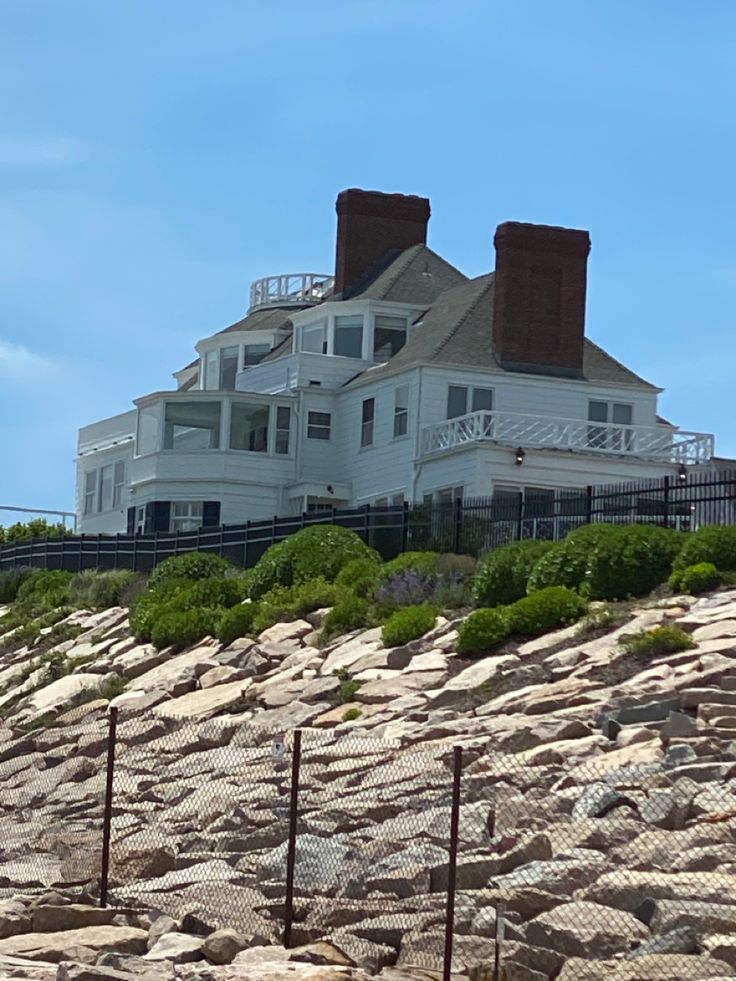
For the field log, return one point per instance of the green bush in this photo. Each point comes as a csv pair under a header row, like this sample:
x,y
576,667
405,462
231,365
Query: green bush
x,y
44,590
715,544
566,563
183,628
423,563
99,589
349,686
360,576
632,561
291,602
320,551
696,579
351,613
219,591
503,575
56,666
35,528
545,610
191,566
10,583
482,631
408,624
236,622
657,642
350,715
149,605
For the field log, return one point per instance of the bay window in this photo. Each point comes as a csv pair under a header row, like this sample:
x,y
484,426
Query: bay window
x,y
211,371
389,336
349,336
147,437
254,353
314,338
192,426
228,368
249,427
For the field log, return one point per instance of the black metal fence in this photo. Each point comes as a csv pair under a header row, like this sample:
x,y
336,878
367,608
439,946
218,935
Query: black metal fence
x,y
431,855
470,526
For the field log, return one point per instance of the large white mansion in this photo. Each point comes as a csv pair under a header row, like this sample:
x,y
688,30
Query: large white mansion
x,y
397,378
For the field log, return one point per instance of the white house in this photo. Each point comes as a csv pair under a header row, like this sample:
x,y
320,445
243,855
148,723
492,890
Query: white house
x,y
396,379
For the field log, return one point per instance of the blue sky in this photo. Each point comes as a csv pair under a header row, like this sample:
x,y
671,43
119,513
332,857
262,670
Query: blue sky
x,y
157,157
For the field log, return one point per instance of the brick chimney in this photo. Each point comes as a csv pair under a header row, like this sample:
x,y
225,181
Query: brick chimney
x,y
539,298
371,224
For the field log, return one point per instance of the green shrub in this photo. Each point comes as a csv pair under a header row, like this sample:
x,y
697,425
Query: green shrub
x,y
350,715
320,551
423,563
351,613
503,575
699,578
566,563
715,544
408,624
545,610
183,628
236,622
349,688
99,589
56,665
10,583
44,590
150,605
482,631
599,617
217,591
111,687
191,566
35,528
360,576
291,602
657,642
631,561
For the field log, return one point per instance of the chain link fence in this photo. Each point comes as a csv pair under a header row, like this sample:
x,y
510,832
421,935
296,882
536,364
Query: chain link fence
x,y
558,858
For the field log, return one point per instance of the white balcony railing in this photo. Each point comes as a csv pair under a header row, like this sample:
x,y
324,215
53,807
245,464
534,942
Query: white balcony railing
x,y
646,442
289,289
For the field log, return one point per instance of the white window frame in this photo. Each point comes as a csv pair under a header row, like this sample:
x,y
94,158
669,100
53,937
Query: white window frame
x,y
280,430
367,426
89,493
357,324
401,412
140,519
118,483
319,430
104,505
471,397
401,325
189,517
602,435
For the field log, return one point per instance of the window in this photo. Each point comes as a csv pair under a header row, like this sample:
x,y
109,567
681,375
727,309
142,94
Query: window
x,y
104,492
607,437
462,400
314,338
90,486
210,371
283,426
389,336
228,368
401,411
366,430
319,425
349,336
249,427
147,441
140,519
186,515
448,495
254,354
192,426
118,484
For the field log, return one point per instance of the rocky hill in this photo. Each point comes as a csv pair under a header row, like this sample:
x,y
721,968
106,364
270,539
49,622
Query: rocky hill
x,y
598,814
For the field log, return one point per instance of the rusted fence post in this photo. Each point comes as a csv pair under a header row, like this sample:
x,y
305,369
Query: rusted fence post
x,y
107,817
296,759
457,766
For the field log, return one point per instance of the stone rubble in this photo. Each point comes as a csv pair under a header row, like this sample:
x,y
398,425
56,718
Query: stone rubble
x,y
597,826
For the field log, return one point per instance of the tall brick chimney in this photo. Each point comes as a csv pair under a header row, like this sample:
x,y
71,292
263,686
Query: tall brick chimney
x,y
371,224
539,298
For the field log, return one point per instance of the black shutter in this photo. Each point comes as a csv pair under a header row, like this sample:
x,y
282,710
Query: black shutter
x,y
131,521
210,514
161,515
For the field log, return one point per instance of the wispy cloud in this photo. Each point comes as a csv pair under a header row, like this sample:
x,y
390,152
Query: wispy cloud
x,y
21,151
19,364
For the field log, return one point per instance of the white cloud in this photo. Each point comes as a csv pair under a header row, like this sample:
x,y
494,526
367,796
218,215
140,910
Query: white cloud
x,y
18,364
18,151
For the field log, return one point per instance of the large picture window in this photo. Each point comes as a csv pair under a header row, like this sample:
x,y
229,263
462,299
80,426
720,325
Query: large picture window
x,y
192,426
249,427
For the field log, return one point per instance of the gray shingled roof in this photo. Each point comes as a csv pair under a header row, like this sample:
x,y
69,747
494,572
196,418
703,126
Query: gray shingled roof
x,y
417,275
457,329
275,318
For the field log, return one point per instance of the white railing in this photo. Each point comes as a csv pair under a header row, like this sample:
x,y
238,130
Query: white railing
x,y
289,289
516,429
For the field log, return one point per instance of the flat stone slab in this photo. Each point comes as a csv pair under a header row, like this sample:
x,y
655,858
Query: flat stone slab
x,y
204,702
69,945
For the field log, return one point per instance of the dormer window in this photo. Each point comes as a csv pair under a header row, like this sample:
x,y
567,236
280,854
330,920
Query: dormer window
x,y
349,336
389,336
314,338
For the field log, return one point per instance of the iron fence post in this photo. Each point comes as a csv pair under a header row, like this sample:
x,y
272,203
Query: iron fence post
x,y
589,504
296,759
457,525
520,517
404,526
107,816
666,501
457,765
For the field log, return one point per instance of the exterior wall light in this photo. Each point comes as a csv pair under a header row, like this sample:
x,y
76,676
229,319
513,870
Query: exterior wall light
x,y
520,454
682,473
